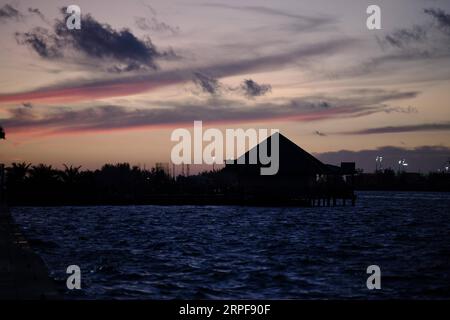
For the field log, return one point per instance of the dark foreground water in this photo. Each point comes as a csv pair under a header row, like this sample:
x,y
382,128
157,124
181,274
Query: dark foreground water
x,y
159,252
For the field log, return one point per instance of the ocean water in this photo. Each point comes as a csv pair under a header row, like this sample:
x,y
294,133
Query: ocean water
x,y
225,252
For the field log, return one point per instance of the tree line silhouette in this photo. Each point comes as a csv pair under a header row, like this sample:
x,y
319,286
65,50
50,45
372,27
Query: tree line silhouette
x,y
121,183
389,179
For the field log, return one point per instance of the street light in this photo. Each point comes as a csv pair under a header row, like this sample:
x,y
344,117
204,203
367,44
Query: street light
x,y
402,163
378,159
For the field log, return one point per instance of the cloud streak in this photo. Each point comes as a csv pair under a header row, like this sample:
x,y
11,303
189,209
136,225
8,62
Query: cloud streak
x,y
400,129
111,117
302,22
127,85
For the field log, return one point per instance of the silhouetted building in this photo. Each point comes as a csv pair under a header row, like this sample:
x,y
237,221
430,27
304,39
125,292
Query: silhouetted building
x,y
300,175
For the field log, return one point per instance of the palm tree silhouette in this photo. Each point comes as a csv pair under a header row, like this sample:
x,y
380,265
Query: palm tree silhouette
x,y
43,175
18,171
70,174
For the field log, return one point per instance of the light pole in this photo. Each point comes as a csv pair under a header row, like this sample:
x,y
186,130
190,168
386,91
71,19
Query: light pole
x,y
378,159
402,164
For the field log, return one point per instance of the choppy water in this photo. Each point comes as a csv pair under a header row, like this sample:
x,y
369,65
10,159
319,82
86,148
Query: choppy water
x,y
159,252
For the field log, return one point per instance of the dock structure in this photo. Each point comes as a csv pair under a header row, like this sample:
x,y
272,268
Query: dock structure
x,y
301,178
23,274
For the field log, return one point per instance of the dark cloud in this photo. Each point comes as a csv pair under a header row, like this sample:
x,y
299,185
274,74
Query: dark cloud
x,y
318,103
408,128
153,24
441,17
418,43
320,134
8,12
427,40
207,84
22,114
404,37
37,12
212,86
424,158
96,41
253,89
322,104
27,105
42,41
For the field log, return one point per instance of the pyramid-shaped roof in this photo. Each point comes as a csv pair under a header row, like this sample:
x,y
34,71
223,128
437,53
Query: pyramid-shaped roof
x,y
293,159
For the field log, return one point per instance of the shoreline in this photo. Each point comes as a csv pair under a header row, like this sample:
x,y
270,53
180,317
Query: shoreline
x,y
23,273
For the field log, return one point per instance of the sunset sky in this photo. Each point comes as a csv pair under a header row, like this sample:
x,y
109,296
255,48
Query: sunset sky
x,y
114,90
